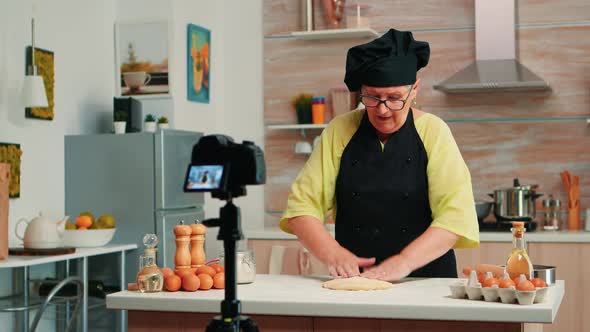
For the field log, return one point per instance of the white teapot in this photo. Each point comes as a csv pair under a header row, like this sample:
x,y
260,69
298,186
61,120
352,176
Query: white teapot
x,y
41,232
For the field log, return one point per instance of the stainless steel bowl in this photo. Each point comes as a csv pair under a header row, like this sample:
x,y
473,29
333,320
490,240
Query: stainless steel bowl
x,y
547,273
483,209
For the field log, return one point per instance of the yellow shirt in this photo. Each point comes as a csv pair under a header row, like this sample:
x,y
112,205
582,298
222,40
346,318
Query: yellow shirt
x,y
449,181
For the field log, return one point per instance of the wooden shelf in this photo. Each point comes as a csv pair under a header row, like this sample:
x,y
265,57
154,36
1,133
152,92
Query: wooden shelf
x,y
335,33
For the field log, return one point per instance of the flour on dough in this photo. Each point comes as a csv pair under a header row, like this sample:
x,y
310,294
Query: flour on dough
x,y
357,283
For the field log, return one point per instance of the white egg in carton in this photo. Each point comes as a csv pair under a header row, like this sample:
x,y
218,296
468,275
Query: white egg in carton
x,y
473,290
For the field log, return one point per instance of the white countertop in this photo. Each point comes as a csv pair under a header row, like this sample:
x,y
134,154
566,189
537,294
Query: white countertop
x,y
20,261
422,299
274,233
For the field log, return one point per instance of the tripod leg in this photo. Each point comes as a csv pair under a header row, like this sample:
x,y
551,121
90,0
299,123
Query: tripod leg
x,y
247,324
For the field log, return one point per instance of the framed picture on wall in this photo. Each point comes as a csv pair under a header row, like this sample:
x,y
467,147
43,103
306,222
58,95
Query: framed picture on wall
x,y
44,61
198,63
142,55
11,153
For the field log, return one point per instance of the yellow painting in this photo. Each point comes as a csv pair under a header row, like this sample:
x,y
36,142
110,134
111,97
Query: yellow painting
x,y
11,153
44,60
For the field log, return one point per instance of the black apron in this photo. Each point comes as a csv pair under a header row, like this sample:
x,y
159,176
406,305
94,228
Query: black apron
x,y
382,196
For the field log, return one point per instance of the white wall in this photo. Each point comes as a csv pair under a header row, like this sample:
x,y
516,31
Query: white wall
x,y
80,34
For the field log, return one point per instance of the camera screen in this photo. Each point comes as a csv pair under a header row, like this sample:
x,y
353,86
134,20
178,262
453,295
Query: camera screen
x,y
204,177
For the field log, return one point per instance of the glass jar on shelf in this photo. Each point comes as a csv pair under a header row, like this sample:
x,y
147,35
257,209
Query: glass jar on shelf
x,y
356,16
552,220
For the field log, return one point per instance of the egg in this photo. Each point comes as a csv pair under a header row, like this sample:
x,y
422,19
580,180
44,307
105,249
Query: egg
x,y
481,278
166,271
191,283
206,281
219,280
172,283
489,282
207,270
539,283
525,286
507,283
218,268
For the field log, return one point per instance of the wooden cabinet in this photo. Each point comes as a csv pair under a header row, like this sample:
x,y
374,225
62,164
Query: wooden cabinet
x,y
571,262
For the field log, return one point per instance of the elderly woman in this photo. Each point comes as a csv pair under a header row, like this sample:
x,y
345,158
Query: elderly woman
x,y
393,174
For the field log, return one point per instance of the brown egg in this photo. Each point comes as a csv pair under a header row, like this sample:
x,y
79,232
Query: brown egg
x,y
191,283
183,272
219,280
525,286
481,278
172,283
207,270
166,271
218,268
539,283
206,281
489,282
506,283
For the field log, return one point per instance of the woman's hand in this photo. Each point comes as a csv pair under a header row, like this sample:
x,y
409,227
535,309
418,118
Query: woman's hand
x,y
343,263
394,268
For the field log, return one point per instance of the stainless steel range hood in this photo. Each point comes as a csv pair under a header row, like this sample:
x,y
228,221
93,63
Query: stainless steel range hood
x,y
496,67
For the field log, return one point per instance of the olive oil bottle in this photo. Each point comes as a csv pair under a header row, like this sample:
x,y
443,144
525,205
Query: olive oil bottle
x,y
519,261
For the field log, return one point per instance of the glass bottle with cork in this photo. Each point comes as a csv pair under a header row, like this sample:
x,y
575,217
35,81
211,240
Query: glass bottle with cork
x,y
149,279
519,261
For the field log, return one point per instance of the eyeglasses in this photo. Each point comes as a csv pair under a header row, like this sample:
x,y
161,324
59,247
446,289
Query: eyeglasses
x,y
391,104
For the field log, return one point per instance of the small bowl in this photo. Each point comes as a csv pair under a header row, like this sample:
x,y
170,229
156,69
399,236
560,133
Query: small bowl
x,y
473,292
540,296
507,295
525,297
490,294
458,290
87,237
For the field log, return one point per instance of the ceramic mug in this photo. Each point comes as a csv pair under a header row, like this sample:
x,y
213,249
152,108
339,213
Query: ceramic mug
x,y
303,147
136,79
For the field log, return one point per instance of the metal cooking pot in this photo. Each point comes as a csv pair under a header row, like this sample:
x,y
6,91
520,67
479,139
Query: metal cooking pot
x,y
515,203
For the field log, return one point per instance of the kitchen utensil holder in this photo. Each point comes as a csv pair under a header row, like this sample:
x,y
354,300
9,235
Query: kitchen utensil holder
x,y
573,218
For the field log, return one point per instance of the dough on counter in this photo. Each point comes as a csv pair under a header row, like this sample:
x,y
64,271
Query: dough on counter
x,y
357,283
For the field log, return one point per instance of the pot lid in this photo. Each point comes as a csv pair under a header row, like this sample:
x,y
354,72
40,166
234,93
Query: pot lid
x,y
517,186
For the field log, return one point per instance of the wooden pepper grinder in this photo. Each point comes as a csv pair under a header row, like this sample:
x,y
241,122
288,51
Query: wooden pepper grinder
x,y
197,244
182,259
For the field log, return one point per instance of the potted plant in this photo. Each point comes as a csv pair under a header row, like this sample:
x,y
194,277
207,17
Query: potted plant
x,y
120,122
163,122
302,105
150,123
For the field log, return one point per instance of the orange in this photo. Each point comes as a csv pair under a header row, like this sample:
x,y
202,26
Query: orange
x,y
166,271
190,283
206,281
219,280
207,270
172,283
183,272
218,268
83,221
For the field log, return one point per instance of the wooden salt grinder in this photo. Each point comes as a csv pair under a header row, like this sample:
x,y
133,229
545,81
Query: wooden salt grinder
x,y
182,258
197,245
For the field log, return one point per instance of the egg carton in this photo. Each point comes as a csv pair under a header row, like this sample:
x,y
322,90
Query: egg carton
x,y
461,290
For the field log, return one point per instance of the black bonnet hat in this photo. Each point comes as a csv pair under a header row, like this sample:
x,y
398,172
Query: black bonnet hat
x,y
390,60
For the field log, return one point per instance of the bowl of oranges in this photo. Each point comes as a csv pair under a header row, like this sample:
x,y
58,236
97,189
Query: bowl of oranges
x,y
86,231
